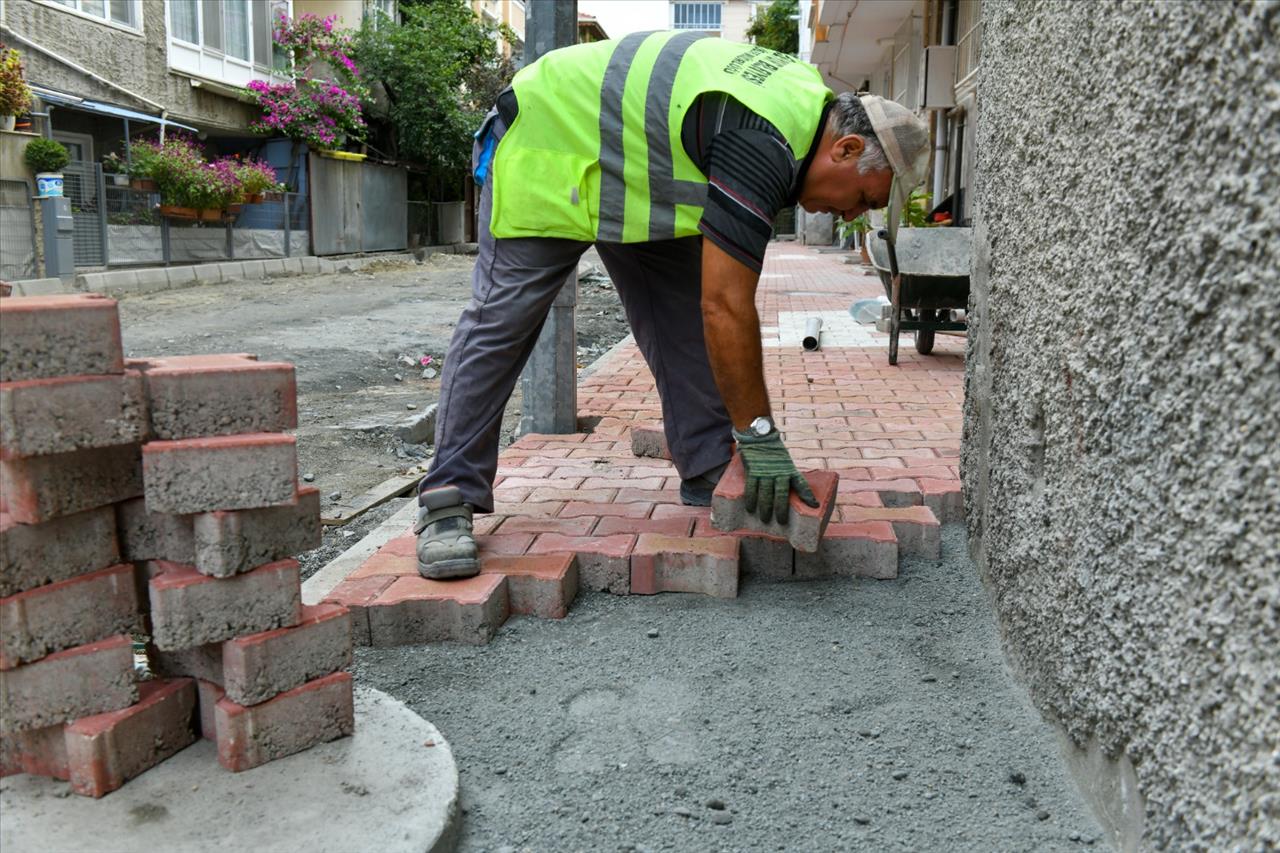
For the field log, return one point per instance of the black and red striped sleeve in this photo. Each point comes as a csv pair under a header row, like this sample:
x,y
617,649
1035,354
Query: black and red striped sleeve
x,y
750,175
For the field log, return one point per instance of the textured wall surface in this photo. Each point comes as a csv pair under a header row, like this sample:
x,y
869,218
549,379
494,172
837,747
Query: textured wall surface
x,y
1122,458
137,61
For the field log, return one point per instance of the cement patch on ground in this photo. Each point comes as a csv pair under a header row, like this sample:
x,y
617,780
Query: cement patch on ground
x,y
382,789
829,715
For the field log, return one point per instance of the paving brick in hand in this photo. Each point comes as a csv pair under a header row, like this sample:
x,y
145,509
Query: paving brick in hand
x,y
804,523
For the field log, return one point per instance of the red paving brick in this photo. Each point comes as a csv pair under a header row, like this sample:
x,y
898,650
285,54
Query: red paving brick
x,y
706,565
415,610
891,435
544,585
106,750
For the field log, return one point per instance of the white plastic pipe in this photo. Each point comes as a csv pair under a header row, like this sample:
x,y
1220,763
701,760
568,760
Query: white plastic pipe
x,y
812,334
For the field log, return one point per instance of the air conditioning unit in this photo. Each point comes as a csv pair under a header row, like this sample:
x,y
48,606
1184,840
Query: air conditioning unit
x,y
938,78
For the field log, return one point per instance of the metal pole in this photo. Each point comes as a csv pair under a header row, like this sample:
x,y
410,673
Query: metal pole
x,y
288,229
101,181
36,259
550,379
942,128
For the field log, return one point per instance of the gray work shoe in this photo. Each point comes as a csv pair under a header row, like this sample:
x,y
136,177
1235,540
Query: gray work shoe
x,y
446,546
697,491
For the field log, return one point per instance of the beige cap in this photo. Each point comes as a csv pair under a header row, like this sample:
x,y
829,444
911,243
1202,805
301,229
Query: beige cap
x,y
905,141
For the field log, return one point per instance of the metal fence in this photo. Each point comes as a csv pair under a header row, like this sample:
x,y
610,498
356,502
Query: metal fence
x,y
82,183
268,229
17,232
134,233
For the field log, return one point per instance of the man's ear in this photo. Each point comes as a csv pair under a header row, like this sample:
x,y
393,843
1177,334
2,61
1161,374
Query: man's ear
x,y
848,148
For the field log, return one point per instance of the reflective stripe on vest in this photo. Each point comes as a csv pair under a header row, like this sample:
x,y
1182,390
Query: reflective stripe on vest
x,y
613,186
665,192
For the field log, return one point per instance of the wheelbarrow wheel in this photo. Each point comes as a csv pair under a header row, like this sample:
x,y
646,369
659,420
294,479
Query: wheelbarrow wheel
x,y
924,337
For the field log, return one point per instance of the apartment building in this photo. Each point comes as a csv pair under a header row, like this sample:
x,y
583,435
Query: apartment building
x,y
508,12
727,18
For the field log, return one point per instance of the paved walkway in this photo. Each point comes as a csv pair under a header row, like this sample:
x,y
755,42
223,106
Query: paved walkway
x,y
891,433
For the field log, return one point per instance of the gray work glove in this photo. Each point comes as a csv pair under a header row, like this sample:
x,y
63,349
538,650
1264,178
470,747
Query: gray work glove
x,y
770,476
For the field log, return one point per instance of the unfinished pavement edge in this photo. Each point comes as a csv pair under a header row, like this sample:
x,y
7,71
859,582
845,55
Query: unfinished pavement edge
x,y
382,788
319,585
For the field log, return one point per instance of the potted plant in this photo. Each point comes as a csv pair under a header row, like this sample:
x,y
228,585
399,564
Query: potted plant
x,y
256,178
15,94
142,158
189,187
170,166
226,190
47,157
113,165
858,226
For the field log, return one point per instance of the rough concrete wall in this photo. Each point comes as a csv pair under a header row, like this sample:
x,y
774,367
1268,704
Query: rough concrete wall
x,y
136,61
1121,462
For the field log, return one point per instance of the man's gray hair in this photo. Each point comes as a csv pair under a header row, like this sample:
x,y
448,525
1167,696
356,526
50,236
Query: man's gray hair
x,y
848,117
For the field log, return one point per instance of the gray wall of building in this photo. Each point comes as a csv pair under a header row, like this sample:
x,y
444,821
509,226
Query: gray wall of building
x,y
136,62
1121,462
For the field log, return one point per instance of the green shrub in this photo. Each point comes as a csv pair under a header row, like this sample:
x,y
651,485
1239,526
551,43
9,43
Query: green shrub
x,y
46,155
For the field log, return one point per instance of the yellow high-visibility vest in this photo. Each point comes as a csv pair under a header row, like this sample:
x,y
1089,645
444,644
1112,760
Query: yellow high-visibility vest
x,y
595,153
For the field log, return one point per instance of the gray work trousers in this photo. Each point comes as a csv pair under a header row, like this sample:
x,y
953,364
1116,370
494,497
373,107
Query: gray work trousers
x,y
514,283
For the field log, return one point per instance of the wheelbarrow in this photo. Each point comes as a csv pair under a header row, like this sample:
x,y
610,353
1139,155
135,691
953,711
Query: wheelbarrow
x,y
925,273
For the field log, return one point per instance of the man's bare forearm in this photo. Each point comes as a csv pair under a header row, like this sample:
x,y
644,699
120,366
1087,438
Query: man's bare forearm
x,y
732,329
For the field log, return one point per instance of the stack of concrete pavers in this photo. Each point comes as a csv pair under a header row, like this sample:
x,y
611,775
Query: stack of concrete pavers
x,y
158,497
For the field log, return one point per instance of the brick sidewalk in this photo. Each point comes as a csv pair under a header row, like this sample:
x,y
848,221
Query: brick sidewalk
x,y
891,433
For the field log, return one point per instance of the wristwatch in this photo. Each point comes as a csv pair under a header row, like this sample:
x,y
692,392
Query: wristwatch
x,y
761,427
